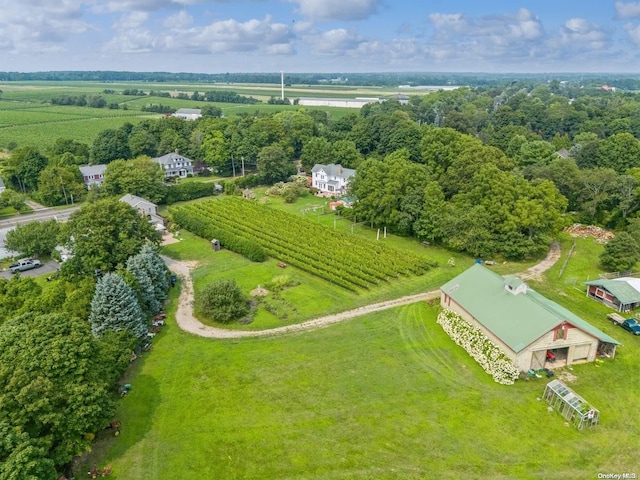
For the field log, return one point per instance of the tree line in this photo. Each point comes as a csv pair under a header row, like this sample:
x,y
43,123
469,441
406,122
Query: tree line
x,y
65,345
583,142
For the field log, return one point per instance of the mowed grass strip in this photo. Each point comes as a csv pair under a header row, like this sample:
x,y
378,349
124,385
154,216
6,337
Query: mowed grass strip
x,y
383,396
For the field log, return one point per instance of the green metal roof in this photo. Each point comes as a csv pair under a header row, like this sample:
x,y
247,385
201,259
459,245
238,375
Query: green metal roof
x,y
619,288
518,320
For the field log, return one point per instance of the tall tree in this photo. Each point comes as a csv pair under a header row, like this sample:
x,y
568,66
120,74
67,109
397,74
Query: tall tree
x,y
52,383
115,308
104,234
23,168
150,274
60,186
316,150
140,176
34,239
274,165
621,253
619,152
110,145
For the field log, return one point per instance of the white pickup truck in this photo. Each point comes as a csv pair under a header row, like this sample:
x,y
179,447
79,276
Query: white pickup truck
x,y
24,264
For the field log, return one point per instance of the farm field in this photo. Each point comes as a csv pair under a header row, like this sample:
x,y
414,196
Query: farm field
x,y
27,119
387,396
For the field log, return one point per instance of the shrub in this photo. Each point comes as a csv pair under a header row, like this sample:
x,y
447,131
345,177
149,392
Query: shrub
x,y
482,350
222,301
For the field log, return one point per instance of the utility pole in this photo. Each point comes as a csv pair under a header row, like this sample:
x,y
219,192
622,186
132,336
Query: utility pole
x,y
242,159
233,166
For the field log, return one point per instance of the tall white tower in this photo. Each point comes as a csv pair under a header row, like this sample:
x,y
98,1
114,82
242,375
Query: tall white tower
x,y
282,85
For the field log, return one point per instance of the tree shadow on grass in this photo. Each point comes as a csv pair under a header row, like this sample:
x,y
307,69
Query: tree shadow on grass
x,y
134,413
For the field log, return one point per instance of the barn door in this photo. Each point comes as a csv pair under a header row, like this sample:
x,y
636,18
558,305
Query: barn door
x,y
581,352
538,359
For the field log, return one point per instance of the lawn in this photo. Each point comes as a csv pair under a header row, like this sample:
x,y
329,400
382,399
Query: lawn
x,y
385,396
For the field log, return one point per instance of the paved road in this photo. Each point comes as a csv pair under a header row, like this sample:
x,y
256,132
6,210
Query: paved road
x,y
38,215
47,267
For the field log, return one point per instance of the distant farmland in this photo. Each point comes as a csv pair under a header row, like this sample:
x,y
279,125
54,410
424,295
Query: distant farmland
x,y
27,117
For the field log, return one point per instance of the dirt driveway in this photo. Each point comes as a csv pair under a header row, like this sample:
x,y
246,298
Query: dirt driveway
x,y
189,323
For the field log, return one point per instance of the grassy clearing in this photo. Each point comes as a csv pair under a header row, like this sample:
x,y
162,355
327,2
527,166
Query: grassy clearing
x,y
387,395
383,396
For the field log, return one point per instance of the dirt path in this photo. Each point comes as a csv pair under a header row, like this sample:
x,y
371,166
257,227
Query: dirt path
x,y
535,272
188,323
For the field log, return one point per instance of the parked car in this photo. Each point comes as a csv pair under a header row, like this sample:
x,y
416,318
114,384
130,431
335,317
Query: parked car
x,y
24,265
629,324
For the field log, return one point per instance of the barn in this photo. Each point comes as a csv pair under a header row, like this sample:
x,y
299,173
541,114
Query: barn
x,y
621,293
521,322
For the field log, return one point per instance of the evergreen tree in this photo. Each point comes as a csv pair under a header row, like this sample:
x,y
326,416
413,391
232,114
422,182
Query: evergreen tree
x,y
115,307
150,274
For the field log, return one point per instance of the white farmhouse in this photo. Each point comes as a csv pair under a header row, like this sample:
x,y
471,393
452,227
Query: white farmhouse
x,y
332,179
175,165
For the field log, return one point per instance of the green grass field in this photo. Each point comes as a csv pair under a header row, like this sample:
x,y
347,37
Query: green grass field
x,y
385,396
27,119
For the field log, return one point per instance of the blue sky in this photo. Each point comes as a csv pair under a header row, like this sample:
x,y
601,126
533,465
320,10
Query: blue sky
x,y
217,36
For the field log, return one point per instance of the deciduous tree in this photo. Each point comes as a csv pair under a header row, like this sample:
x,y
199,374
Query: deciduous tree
x,y
34,239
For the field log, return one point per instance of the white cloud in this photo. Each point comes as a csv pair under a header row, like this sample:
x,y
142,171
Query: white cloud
x,y
627,10
180,20
634,33
579,34
511,36
344,10
28,27
226,36
337,41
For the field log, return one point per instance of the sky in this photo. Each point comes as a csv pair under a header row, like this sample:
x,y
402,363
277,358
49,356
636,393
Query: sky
x,y
218,36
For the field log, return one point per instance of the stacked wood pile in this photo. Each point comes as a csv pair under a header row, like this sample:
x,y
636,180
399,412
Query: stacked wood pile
x,y
583,231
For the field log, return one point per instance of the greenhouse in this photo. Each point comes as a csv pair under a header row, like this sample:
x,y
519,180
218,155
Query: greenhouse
x,y
570,405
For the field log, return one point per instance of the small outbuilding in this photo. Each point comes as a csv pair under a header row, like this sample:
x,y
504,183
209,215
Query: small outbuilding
x,y
522,323
570,405
622,294
215,245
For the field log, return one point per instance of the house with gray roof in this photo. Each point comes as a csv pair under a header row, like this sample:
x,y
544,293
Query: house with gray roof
x,y
622,294
93,174
175,165
146,208
521,322
331,179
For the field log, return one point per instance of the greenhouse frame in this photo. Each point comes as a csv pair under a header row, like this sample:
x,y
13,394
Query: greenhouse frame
x,y
570,405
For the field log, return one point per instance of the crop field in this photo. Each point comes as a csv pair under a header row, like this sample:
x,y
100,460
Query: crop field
x,y
341,259
28,118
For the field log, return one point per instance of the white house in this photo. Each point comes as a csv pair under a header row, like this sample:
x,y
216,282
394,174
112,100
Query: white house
x,y
175,165
93,174
331,179
188,113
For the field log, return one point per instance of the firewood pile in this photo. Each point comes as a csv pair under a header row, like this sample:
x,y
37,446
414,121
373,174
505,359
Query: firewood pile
x,y
583,231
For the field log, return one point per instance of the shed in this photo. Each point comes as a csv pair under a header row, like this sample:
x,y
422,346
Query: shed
x,y
621,293
521,322
215,244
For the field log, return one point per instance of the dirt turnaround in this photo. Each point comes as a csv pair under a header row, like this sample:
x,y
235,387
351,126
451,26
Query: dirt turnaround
x,y
189,323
